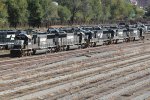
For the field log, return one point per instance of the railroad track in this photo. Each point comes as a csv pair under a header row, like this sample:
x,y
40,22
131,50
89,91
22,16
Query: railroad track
x,y
79,80
85,61
28,61
59,54
4,69
87,89
86,75
57,70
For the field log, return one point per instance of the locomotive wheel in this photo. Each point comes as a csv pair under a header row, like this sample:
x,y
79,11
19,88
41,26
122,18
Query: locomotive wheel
x,y
91,44
116,41
58,48
34,52
6,47
113,41
94,45
21,54
85,45
28,53
25,53
68,48
49,50
82,46
128,40
142,38
124,40
134,39
109,42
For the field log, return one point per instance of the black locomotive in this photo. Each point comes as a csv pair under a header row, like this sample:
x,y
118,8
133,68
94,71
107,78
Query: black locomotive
x,y
54,40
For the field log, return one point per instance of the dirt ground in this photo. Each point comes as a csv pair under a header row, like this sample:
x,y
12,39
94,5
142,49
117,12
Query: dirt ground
x,y
112,72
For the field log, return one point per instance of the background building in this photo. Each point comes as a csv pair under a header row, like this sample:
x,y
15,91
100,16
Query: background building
x,y
143,3
134,2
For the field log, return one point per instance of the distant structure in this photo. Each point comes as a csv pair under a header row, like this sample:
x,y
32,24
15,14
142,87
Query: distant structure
x,y
140,3
134,2
55,3
143,3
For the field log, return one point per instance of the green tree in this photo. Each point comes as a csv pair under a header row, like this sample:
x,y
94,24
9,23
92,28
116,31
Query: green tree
x,y
106,8
130,13
35,13
73,6
23,12
96,9
118,10
139,12
121,9
49,10
86,10
147,12
3,12
17,12
64,13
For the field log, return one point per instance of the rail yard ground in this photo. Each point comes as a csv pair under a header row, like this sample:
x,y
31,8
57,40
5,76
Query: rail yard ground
x,y
110,72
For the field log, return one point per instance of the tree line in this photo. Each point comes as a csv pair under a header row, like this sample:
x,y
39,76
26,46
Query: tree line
x,y
35,12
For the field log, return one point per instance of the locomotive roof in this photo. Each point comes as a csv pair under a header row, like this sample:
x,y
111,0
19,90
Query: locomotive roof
x,y
52,30
39,33
147,24
67,30
23,36
8,31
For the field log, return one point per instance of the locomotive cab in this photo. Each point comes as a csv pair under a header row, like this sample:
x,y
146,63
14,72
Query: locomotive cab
x,y
22,45
22,41
7,39
134,34
89,38
119,35
141,33
126,35
106,37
